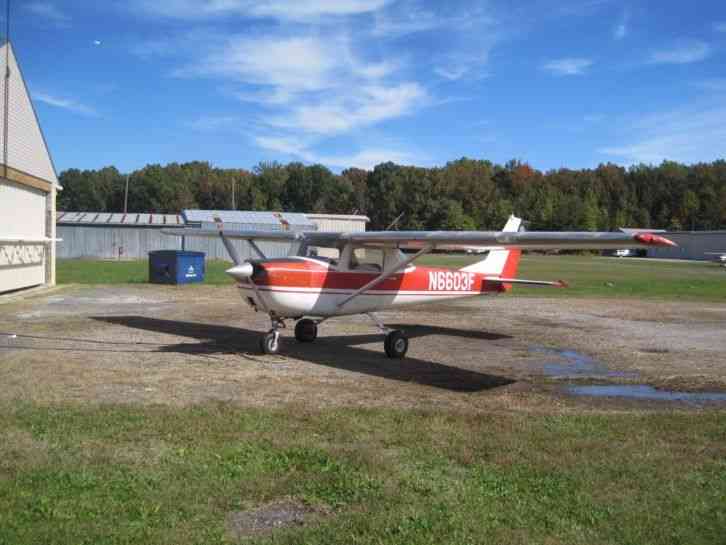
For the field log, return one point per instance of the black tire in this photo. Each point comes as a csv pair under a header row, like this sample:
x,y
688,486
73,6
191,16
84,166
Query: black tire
x,y
268,344
396,344
306,331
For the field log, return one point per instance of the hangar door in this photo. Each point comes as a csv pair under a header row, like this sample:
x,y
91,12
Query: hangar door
x,y
23,211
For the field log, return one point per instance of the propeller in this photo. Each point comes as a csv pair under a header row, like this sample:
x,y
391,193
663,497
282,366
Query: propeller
x,y
242,272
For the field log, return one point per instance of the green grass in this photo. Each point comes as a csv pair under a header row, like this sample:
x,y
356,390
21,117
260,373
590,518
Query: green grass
x,y
594,276
107,475
83,271
587,276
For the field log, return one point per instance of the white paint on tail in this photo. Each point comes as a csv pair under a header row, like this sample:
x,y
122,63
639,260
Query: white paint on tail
x,y
494,262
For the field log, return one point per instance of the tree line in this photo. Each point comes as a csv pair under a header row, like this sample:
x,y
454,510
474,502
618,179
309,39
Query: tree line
x,y
463,194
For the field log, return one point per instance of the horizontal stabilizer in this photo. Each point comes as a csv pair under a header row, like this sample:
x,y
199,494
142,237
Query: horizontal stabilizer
x,y
500,280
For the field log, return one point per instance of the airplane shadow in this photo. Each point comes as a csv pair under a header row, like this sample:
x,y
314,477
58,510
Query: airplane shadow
x,y
335,351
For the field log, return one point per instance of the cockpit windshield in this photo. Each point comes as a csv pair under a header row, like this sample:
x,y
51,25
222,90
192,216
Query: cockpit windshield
x,y
325,254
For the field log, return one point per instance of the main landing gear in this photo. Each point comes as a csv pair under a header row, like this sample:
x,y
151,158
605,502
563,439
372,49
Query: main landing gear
x,y
395,343
306,331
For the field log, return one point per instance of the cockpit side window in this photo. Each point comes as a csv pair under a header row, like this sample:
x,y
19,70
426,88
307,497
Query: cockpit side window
x,y
366,259
321,253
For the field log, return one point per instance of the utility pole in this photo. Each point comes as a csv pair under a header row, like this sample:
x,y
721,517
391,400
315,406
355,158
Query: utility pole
x,y
6,88
126,196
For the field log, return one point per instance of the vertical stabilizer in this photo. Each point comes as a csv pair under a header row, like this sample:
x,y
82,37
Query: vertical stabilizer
x,y
500,261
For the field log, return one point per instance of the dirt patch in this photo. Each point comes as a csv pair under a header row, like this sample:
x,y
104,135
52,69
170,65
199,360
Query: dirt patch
x,y
271,517
181,346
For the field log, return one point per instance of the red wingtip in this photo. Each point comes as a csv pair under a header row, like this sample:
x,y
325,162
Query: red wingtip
x,y
562,284
653,240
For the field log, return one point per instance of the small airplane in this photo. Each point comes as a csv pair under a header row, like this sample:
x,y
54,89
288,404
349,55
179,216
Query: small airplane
x,y
718,257
329,274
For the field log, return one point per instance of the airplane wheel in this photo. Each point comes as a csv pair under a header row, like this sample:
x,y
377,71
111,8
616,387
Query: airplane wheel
x,y
396,344
306,331
270,343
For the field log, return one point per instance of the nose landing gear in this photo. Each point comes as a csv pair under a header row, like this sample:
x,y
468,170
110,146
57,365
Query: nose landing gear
x,y
270,342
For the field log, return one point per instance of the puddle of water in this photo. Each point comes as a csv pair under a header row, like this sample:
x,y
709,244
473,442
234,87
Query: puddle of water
x,y
576,364
643,391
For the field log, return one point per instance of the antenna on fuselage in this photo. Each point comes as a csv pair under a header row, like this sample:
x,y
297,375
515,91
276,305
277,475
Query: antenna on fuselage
x,y
394,222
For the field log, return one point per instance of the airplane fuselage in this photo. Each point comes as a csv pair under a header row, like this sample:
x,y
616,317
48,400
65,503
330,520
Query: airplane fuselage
x,y
298,286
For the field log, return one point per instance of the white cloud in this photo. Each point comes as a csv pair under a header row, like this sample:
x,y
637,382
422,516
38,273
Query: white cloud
x,y
684,52
368,105
65,104
293,64
457,65
365,159
49,12
297,10
284,144
620,31
315,84
368,158
409,18
568,66
451,72
688,135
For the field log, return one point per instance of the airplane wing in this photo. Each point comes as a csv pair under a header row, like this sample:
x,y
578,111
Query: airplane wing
x,y
523,240
448,240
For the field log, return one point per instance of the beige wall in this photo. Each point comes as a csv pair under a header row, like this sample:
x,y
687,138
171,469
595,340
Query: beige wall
x,y
23,215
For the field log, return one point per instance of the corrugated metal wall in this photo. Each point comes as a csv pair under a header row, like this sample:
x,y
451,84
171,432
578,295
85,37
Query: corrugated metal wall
x,y
691,245
345,224
112,242
115,242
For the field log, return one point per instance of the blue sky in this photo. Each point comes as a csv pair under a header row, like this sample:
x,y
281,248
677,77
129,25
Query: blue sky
x,y
357,82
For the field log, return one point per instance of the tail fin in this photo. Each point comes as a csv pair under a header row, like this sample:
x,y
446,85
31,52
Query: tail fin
x,y
500,261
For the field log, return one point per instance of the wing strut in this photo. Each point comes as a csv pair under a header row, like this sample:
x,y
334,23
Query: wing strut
x,y
385,275
231,250
256,248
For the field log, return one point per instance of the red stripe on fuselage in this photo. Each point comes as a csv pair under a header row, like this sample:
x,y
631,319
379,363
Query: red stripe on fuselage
x,y
308,274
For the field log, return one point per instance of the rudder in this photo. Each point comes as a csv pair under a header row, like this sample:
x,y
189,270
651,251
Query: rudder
x,y
500,261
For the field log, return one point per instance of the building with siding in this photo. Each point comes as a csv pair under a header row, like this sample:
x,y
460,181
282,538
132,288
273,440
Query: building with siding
x,y
691,245
95,235
28,185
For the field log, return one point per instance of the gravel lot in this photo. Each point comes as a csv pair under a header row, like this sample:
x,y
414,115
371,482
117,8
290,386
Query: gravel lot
x,y
186,345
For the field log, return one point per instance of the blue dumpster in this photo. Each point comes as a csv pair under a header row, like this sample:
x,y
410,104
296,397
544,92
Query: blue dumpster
x,y
176,267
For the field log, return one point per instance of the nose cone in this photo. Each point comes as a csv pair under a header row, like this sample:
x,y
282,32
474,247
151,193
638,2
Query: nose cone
x,y
241,272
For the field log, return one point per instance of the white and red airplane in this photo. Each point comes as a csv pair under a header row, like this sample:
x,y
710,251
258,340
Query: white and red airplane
x,y
369,272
